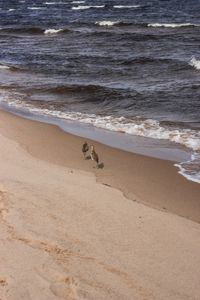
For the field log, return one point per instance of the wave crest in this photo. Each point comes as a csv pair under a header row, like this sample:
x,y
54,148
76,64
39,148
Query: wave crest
x,y
195,63
173,25
83,7
53,31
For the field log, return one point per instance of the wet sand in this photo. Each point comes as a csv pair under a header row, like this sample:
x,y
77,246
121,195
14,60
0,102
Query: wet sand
x,y
152,181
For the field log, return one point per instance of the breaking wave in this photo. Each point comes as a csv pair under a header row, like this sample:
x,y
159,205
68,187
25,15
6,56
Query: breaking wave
x,y
136,126
195,63
191,169
53,31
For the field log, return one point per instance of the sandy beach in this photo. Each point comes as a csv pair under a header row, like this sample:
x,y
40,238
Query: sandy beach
x,y
69,231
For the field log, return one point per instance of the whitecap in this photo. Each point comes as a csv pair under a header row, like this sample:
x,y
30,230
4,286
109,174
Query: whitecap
x,y
52,31
126,6
4,67
36,8
195,63
77,2
83,7
106,23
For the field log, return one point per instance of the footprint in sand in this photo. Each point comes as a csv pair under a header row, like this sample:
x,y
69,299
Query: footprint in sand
x,y
66,289
3,209
61,285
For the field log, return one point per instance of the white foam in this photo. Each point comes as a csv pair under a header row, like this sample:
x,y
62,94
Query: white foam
x,y
106,23
172,25
190,169
126,6
77,2
11,9
52,31
36,8
50,3
83,7
195,63
4,67
138,126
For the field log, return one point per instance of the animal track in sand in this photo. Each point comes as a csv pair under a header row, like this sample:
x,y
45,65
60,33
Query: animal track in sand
x,y
3,282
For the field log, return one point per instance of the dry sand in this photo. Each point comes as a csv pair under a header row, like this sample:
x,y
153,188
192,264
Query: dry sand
x,y
63,235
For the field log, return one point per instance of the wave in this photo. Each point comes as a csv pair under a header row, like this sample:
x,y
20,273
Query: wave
x,y
195,63
94,92
83,7
173,25
29,30
191,169
146,59
126,6
116,23
34,30
53,31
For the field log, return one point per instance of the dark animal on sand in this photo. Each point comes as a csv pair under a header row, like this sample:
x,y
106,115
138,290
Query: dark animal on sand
x,y
94,156
85,149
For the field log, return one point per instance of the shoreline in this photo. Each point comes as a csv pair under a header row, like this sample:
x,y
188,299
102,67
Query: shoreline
x,y
151,181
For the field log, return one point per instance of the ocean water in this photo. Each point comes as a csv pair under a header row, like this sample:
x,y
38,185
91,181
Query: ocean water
x,y
124,66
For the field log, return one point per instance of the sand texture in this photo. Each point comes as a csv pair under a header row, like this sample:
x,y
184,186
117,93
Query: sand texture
x,y
66,235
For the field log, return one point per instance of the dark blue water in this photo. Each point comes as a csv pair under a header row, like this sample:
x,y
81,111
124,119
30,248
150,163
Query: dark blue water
x,y
128,66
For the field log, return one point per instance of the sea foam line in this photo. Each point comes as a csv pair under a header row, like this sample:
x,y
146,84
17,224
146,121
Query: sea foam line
x,y
190,169
146,128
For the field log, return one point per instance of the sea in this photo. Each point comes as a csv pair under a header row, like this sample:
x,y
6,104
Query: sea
x,y
124,72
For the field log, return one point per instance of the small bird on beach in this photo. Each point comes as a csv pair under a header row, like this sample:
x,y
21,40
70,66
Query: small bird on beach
x,y
94,156
85,149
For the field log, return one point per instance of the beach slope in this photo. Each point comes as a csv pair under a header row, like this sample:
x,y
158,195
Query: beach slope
x,y
64,235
